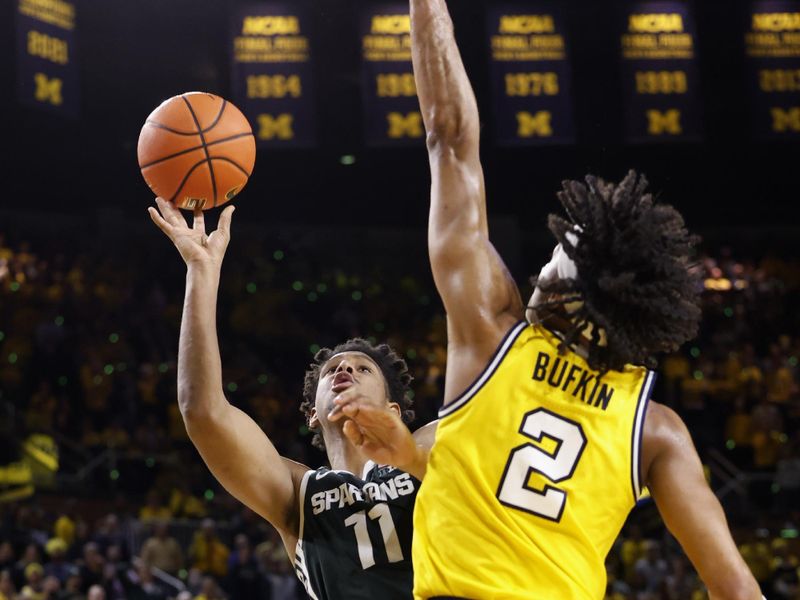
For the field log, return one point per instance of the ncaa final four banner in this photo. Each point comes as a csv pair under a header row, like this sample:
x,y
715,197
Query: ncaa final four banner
x,y
391,109
47,66
530,74
272,75
659,73
772,44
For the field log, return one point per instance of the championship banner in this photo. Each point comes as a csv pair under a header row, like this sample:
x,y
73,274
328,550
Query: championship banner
x,y
659,73
391,109
47,67
531,75
271,74
772,44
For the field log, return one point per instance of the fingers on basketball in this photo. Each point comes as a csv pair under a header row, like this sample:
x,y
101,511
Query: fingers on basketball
x,y
199,222
170,214
160,222
225,220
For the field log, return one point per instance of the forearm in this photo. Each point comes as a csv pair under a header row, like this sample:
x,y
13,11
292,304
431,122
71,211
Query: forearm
x,y
451,118
200,392
446,98
703,532
418,466
233,446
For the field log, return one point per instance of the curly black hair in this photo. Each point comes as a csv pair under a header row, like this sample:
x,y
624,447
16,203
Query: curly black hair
x,y
635,285
393,367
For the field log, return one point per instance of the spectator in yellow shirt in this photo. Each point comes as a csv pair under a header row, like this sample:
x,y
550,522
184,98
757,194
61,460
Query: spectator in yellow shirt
x,y
154,510
209,555
7,590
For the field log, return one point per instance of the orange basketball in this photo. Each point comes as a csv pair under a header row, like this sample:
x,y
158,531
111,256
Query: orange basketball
x,y
196,150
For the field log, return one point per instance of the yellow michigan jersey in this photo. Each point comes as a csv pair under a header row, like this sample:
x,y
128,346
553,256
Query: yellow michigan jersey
x,y
534,471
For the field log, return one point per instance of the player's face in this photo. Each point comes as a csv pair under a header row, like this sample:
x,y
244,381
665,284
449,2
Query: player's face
x,y
349,371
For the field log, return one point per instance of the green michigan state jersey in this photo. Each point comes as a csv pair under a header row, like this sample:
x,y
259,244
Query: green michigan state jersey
x,y
355,534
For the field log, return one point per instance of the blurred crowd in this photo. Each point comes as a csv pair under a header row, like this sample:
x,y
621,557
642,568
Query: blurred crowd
x,y
88,341
57,553
642,567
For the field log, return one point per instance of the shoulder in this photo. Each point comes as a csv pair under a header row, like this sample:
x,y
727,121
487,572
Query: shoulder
x,y
323,478
470,359
488,334
297,472
662,424
425,436
664,434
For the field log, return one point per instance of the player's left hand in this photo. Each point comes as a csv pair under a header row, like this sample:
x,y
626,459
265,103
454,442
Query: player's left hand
x,y
194,245
379,433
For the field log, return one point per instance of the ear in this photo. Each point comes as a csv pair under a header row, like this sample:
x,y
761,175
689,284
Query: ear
x,y
313,420
396,408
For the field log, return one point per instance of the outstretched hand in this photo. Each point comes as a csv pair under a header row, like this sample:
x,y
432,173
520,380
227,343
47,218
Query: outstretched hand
x,y
380,434
192,242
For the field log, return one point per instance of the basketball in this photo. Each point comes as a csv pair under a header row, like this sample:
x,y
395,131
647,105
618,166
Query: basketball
x,y
196,150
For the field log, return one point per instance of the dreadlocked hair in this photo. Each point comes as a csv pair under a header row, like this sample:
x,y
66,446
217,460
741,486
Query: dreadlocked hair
x,y
393,367
635,285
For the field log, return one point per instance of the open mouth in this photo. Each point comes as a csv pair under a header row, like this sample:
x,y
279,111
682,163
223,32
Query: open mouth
x,y
341,382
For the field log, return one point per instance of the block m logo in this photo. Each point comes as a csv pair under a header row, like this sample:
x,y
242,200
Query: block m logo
x,y
403,126
48,90
785,120
660,123
280,127
539,124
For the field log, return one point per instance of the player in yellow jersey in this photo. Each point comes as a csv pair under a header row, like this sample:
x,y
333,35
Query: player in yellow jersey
x,y
547,435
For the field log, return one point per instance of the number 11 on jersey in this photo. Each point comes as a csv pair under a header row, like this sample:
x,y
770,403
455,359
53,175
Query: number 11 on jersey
x,y
383,515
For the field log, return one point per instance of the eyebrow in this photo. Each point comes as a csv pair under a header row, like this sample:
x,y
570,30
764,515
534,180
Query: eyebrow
x,y
323,369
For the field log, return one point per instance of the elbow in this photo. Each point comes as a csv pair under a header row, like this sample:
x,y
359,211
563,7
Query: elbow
x,y
197,411
454,241
191,415
442,135
447,132
186,403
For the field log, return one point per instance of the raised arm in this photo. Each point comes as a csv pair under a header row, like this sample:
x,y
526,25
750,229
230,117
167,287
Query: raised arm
x,y
479,294
233,446
690,509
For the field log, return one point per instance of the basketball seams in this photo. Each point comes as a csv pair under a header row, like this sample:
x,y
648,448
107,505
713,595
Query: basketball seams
x,y
219,116
154,123
187,151
214,123
186,178
205,147
233,162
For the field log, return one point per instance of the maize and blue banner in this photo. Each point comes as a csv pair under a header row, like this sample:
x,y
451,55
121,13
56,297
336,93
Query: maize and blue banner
x,y
272,80
772,46
530,72
659,73
47,65
391,109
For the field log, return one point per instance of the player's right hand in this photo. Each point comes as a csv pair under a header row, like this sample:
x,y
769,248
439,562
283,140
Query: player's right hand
x,y
380,434
193,244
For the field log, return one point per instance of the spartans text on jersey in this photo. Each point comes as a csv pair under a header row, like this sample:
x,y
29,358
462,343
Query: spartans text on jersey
x,y
348,494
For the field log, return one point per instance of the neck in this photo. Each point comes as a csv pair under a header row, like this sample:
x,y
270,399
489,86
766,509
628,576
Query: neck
x,y
560,322
343,456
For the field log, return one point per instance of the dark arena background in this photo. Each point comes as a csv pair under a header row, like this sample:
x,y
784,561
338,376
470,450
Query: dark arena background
x,y
329,242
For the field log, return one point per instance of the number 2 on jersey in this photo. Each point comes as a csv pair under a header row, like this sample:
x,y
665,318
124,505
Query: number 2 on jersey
x,y
383,515
559,466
